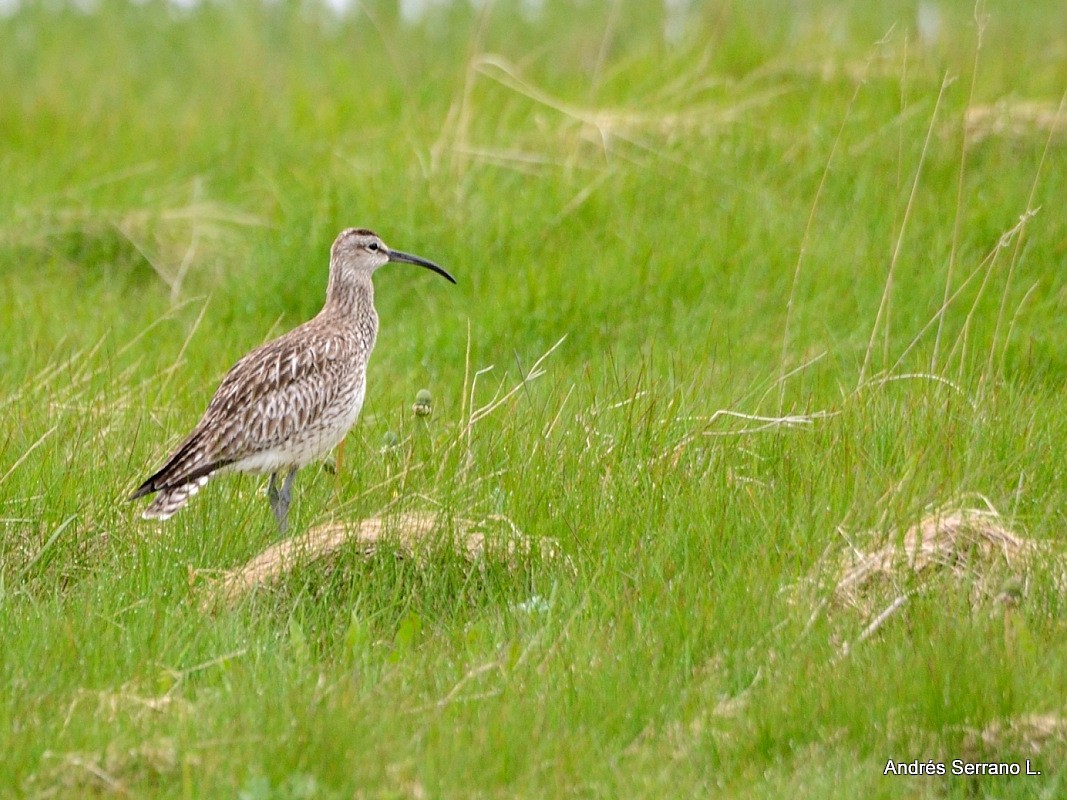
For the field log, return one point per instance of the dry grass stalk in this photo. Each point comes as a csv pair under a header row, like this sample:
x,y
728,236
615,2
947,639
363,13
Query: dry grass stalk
x,y
579,131
408,534
1014,119
126,704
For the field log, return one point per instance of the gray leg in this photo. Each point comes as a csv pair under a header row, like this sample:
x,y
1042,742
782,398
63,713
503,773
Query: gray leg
x,y
281,498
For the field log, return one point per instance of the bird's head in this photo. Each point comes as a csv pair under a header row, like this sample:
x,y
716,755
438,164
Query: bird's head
x,y
358,250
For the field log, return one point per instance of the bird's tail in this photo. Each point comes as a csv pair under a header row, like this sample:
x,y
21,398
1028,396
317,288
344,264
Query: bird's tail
x,y
172,498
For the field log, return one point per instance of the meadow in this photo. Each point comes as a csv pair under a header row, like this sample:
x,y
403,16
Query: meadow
x,y
753,382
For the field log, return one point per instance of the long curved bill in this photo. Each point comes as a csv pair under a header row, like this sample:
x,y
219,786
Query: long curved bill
x,y
407,258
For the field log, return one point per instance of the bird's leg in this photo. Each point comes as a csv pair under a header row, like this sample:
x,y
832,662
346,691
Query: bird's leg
x,y
281,498
272,494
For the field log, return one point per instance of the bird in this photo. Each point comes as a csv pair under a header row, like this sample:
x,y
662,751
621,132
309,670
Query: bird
x,y
288,402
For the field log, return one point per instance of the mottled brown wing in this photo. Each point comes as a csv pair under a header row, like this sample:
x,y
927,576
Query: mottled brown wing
x,y
279,388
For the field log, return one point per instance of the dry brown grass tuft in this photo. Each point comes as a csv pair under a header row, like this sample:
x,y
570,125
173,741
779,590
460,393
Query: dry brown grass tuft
x,y
114,772
174,231
407,534
1030,734
964,542
1014,119
960,544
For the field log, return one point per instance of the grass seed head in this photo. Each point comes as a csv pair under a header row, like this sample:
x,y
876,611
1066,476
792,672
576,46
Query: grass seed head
x,y
423,406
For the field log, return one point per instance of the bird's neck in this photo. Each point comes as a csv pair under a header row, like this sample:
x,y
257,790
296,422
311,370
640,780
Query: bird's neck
x,y
350,296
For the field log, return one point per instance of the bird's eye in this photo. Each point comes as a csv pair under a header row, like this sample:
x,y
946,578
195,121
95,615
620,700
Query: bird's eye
x,y
373,247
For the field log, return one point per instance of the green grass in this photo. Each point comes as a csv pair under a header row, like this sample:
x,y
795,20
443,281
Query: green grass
x,y
765,218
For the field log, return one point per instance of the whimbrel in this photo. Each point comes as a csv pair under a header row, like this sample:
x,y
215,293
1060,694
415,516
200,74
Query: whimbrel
x,y
290,401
